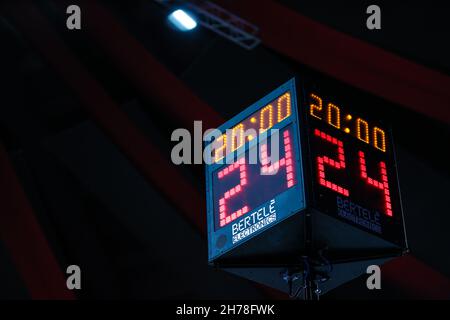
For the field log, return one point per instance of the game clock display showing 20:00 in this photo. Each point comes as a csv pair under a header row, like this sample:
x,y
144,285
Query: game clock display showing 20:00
x,y
354,168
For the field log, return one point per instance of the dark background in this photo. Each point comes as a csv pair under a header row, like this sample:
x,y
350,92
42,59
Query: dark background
x,y
88,171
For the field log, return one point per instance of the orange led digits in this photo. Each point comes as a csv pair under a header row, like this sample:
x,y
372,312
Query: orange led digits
x,y
378,134
259,122
315,107
360,122
364,131
219,153
336,122
285,97
239,137
266,109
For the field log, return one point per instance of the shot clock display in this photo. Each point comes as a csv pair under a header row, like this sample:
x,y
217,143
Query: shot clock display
x,y
245,198
345,153
353,165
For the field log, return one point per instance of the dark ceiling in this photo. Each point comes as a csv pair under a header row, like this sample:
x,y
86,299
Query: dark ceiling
x,y
98,209
411,29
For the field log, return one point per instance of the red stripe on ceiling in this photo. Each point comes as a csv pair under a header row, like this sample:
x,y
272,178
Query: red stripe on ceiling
x,y
417,278
108,115
346,58
25,241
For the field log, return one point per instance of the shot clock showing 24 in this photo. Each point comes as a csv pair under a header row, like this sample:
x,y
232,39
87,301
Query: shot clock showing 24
x,y
241,201
354,166
333,185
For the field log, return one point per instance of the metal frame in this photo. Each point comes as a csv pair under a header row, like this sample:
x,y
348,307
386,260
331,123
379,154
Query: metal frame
x,y
226,24
220,21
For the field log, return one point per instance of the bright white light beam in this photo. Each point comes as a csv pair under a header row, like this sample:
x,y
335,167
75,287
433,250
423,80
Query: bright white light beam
x,y
182,20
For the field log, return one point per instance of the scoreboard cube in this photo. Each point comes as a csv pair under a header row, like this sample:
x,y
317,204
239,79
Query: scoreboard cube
x,y
302,176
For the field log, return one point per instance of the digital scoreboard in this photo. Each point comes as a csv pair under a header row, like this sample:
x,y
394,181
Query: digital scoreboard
x,y
325,176
246,198
354,173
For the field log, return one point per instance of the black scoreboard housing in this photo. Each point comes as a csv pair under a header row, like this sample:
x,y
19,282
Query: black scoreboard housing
x,y
315,231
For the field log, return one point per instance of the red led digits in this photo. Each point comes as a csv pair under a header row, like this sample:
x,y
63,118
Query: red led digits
x,y
225,218
286,161
337,164
381,185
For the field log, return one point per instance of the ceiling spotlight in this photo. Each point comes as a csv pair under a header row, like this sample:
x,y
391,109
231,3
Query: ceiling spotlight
x,y
182,20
